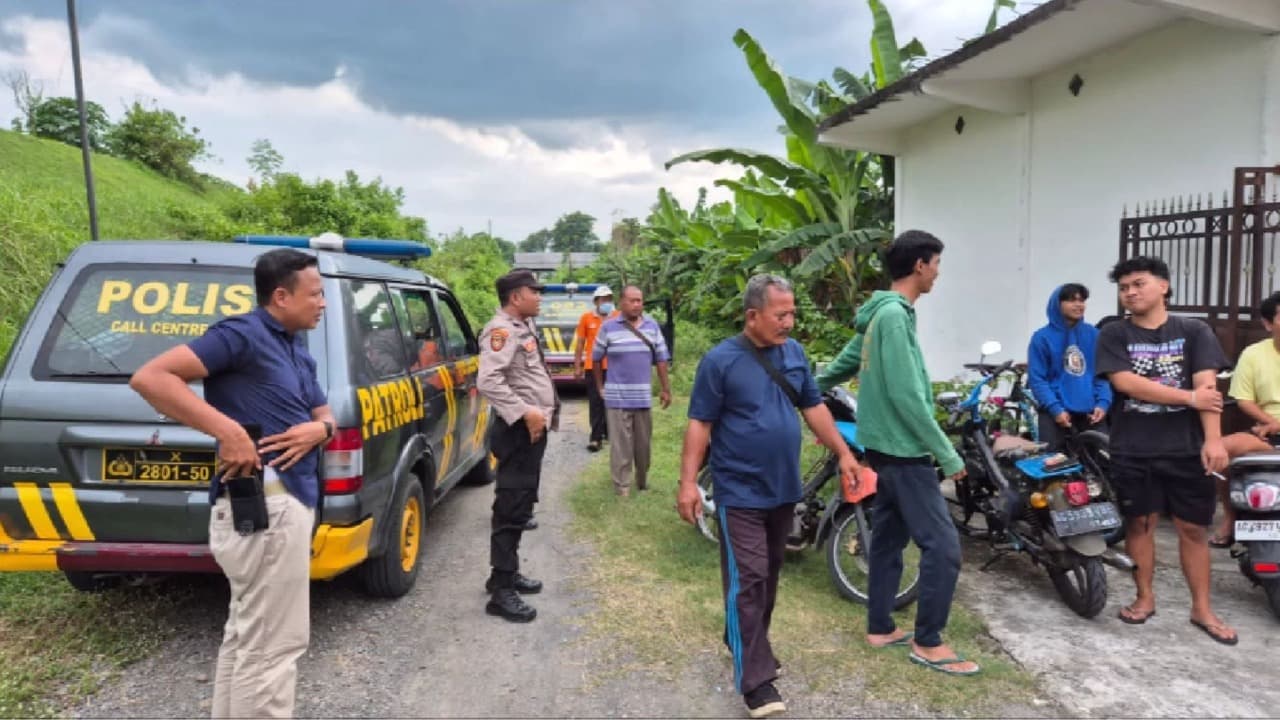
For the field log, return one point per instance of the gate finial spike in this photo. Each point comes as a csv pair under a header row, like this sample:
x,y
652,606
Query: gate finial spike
x,y
1124,211
1210,200
1179,203
1224,199
1198,201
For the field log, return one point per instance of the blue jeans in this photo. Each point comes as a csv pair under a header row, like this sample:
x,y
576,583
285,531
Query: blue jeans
x,y
909,506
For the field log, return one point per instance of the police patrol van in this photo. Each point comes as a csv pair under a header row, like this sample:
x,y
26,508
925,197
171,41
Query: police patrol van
x,y
96,484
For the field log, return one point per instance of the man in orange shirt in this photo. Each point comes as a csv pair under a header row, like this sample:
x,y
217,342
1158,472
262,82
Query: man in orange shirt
x,y
588,325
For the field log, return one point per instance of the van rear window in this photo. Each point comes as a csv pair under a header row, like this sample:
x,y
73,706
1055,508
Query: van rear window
x,y
563,309
117,317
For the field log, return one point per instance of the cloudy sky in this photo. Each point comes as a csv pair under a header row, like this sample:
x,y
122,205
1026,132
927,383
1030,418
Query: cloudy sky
x,y
510,112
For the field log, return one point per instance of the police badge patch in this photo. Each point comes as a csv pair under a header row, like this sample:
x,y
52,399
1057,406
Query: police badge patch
x,y
498,339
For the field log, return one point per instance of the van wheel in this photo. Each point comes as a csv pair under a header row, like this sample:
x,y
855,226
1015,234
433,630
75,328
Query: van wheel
x,y
91,582
392,574
482,473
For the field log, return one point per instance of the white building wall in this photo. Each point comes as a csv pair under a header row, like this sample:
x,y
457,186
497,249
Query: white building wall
x,y
1026,203
966,188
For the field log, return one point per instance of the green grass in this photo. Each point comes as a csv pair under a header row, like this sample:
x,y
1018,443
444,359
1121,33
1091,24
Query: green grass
x,y
58,644
658,583
43,214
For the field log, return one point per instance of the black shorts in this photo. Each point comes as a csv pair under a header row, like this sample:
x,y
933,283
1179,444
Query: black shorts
x,y
1176,486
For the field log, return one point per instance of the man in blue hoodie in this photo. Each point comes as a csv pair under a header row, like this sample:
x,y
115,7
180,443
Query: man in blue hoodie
x,y
1060,367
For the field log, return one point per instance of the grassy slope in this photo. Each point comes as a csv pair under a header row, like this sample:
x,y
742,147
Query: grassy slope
x,y
658,579
52,638
43,214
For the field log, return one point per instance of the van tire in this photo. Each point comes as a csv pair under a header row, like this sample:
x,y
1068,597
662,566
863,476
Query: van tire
x,y
90,582
393,573
482,473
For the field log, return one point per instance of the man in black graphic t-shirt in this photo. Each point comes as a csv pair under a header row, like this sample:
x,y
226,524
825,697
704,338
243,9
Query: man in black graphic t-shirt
x,y
1166,435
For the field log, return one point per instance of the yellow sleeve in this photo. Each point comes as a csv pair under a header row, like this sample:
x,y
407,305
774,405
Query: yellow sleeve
x,y
1243,380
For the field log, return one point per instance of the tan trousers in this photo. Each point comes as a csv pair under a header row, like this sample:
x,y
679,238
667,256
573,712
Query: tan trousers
x,y
269,620
629,435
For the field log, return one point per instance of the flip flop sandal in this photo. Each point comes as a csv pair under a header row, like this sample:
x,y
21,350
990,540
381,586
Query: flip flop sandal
x,y
900,642
1209,630
1134,617
943,666
1221,541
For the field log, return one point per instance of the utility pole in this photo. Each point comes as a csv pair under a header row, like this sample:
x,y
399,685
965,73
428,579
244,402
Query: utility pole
x,y
84,120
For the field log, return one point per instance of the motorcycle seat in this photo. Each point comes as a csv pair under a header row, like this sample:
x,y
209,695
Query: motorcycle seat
x,y
1255,461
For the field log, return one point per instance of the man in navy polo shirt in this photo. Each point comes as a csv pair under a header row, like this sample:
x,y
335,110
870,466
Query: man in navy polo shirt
x,y
256,370
749,421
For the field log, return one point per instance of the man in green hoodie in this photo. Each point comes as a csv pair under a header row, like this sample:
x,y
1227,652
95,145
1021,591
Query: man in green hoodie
x,y
903,442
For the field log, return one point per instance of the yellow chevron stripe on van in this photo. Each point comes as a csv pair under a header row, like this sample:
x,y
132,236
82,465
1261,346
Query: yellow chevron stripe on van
x,y
65,498
37,515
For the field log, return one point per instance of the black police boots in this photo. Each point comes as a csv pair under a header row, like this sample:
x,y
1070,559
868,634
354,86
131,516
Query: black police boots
x,y
507,604
521,584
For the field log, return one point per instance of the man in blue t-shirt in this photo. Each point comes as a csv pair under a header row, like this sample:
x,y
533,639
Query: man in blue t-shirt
x,y
256,371
748,419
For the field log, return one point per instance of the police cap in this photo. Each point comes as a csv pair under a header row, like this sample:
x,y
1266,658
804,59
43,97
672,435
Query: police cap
x,y
517,278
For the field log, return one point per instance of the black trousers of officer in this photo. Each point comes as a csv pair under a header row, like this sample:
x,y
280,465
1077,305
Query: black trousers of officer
x,y
519,472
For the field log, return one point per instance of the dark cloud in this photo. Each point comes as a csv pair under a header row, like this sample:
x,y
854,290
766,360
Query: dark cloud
x,y
492,61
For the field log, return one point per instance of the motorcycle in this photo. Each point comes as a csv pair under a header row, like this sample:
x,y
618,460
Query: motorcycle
x,y
1048,505
825,517
1255,494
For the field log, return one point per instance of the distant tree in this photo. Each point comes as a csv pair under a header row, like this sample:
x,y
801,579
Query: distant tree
x,y
626,233
508,249
469,264
59,119
264,159
537,242
288,204
27,94
574,233
160,140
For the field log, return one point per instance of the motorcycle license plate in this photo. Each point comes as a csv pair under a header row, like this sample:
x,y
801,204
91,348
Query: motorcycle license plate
x,y
1095,517
1258,530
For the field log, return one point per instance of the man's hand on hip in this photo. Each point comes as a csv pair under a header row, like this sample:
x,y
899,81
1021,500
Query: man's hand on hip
x,y
237,456
293,444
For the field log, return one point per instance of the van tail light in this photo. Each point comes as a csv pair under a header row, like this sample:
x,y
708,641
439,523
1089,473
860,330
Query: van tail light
x,y
344,462
1266,567
1077,492
1262,496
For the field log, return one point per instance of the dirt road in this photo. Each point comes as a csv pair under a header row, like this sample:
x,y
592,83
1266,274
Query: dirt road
x,y
435,653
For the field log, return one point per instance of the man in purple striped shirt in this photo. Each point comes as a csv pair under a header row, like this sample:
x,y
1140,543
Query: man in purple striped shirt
x,y
633,344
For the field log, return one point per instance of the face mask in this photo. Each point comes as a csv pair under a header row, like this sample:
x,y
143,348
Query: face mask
x,y
605,308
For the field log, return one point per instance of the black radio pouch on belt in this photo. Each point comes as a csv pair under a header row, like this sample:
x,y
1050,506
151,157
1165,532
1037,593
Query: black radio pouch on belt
x,y
248,500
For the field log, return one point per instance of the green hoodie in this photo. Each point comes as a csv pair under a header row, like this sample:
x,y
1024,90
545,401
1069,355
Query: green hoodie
x,y
895,397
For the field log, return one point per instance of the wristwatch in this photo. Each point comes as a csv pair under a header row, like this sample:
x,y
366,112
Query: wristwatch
x,y
328,429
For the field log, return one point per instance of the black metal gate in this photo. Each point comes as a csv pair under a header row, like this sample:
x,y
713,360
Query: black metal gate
x,y
1223,261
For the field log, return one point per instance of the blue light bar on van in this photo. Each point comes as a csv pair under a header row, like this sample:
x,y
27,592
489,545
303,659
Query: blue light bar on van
x,y
369,247
570,288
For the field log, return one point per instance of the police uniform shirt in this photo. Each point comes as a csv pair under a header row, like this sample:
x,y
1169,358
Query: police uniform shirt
x,y
513,376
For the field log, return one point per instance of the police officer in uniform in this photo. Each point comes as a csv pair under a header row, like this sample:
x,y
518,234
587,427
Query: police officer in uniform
x,y
515,380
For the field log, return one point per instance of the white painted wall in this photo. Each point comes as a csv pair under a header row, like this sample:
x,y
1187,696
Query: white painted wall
x,y
1026,203
967,189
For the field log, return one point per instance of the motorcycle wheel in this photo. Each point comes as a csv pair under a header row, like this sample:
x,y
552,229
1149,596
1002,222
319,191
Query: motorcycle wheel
x,y
847,553
1272,587
708,521
1083,588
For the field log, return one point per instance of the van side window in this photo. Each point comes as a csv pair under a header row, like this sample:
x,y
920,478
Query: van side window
x,y
373,327
418,327
457,336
